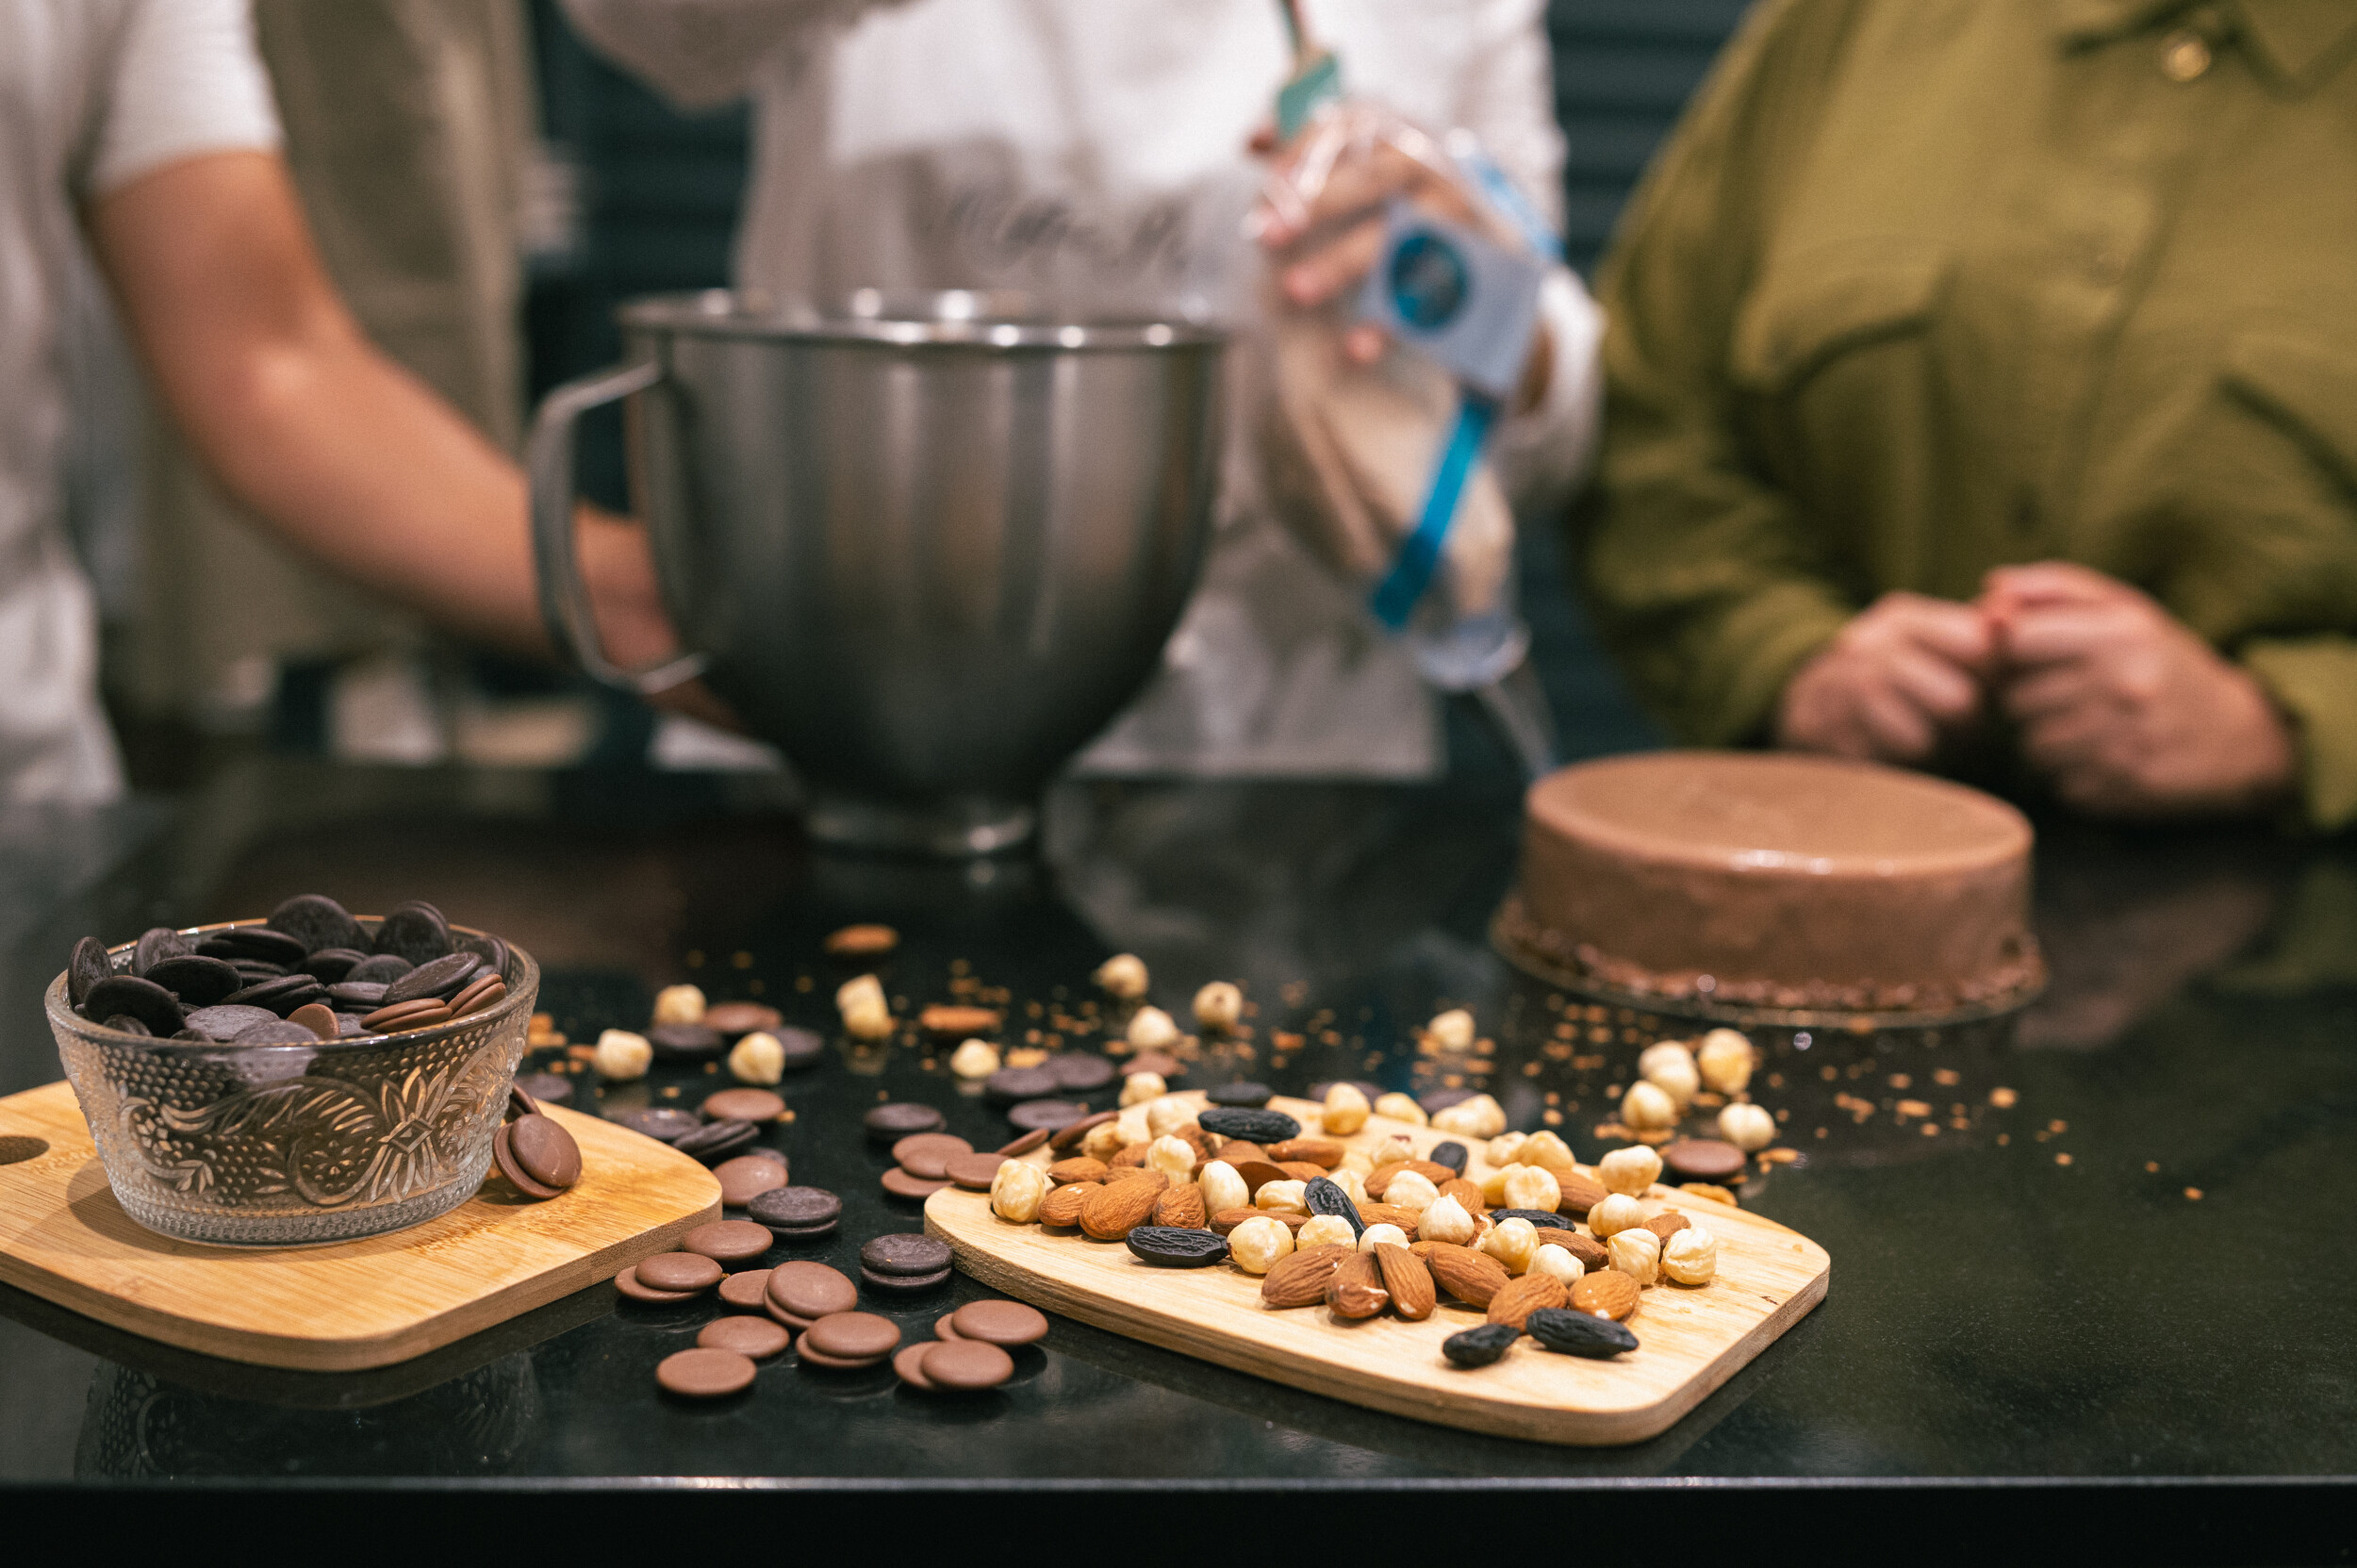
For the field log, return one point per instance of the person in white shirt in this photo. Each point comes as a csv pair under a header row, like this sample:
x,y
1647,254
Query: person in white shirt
x,y
1094,154
145,129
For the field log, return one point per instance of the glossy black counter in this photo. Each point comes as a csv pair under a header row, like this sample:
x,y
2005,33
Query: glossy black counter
x,y
2024,1292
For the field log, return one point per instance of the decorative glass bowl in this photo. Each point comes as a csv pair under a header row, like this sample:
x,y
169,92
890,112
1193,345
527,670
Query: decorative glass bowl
x,y
294,1145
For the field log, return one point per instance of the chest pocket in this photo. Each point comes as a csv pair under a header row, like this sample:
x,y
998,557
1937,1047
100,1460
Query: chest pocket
x,y
2307,391
1814,308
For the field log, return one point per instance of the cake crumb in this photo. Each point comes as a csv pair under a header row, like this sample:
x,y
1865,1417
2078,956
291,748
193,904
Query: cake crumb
x,y
2062,1158
2003,1099
2193,1195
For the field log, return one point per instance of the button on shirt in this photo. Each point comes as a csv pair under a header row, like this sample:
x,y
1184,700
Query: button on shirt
x,y
1925,287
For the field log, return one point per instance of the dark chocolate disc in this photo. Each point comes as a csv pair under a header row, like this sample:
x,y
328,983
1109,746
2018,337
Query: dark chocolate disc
x,y
197,981
127,1024
904,1252
257,942
1047,1115
442,978
379,970
279,1032
330,965
895,1119
144,999
87,967
366,994
716,1141
1015,1083
675,1040
491,950
661,1123
223,1020
415,931
318,921
282,996
1079,1072
156,943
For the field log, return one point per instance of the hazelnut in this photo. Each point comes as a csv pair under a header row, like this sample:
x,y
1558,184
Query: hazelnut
x,y
1494,1185
621,1056
1173,1157
1533,1187
1015,1191
1630,1170
1725,1060
1505,1148
1346,1110
1165,1116
1412,1190
1353,1185
1258,1244
1514,1243
865,1013
1284,1197
1636,1252
1138,1088
1545,1149
1478,1117
1391,1152
974,1059
1400,1108
757,1058
1378,1235
1444,1220
1222,1187
1150,1029
1617,1212
1123,976
1452,1029
1325,1230
1647,1107
1748,1127
1359,1160
1670,1067
1557,1263
679,1004
1218,1006
1104,1141
1690,1257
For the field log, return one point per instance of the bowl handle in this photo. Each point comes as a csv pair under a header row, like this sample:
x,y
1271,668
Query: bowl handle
x,y
564,601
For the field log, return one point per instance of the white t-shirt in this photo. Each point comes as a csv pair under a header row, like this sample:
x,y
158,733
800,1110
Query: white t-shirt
x,y
1092,152
94,93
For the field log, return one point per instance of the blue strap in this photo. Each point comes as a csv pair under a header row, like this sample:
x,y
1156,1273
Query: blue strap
x,y
1395,597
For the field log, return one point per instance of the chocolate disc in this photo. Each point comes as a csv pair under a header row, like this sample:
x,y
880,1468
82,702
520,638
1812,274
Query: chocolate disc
x,y
794,1208
628,1283
548,1088
270,947
197,981
802,1047
705,1373
1079,1072
974,1172
946,1327
414,930
900,1183
729,1241
808,1357
812,1291
743,1105
155,944
746,1290
503,1156
223,1021
895,1119
660,1122
145,1001
906,1252
317,923
1045,1116
965,1366
545,1151
1023,1145
900,1283
746,1177
716,1141
907,1364
1070,1135
758,1338
378,970
89,965
1007,1322
679,1271
1703,1159
853,1336
734,1018
926,1154
1014,1083
318,1017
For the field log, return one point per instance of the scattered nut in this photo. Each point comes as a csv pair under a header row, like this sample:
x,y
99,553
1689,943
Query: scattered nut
x,y
1015,1191
1218,1006
1355,1160
1222,1187
1636,1252
1690,1257
1123,976
1355,1291
1258,1244
1610,1294
1725,1059
1748,1127
1414,1294
867,941
1614,1214
1379,1235
1494,1185
1401,1107
1533,1187
1648,1108
974,1059
1150,1029
679,1004
1166,1115
1446,1220
1452,1029
1525,1296
1062,1206
1557,1264
1669,1068
865,1013
1505,1148
621,1056
1173,1157
1354,1186
1104,1141
1138,1088
1393,1151
757,1058
1346,1110
1514,1243
1292,1198
1327,1231
1546,1150
1478,1117
1630,1170
1410,1189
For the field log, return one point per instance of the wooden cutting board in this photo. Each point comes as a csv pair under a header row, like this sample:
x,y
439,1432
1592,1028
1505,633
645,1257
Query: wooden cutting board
x,y
347,1306
1690,1340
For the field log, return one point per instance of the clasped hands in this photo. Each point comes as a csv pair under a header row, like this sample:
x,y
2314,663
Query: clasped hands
x,y
2121,708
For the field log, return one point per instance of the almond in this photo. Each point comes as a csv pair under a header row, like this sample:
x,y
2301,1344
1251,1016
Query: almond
x,y
1228,1219
1181,1207
1610,1294
1523,1296
1666,1225
1298,1279
1409,1282
1433,1171
1472,1277
1079,1168
1132,1156
950,1022
1322,1152
1115,1209
1063,1206
1236,1152
1379,1178
1257,1174
1390,1213
1300,1170
1590,1251
1356,1290
1132,1173
1196,1139
1580,1194
1466,1193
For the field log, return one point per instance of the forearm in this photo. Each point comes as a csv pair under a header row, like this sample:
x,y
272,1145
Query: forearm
x,y
700,53
2312,681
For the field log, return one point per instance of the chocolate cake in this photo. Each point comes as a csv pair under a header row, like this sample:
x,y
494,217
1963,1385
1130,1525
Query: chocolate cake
x,y
1771,881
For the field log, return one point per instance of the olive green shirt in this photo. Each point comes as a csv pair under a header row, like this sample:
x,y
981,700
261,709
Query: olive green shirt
x,y
1923,287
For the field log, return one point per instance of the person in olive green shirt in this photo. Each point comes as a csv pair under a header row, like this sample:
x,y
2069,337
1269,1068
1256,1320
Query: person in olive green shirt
x,y
1984,374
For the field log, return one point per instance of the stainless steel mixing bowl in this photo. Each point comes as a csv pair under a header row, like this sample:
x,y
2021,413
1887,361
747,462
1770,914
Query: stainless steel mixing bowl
x,y
925,547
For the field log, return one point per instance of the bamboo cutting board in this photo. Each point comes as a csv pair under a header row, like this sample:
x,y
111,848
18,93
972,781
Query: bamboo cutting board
x,y
1689,1341
351,1305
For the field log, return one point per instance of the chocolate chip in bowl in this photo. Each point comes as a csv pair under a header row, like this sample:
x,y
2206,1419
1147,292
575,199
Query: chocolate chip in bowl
x,y
302,1122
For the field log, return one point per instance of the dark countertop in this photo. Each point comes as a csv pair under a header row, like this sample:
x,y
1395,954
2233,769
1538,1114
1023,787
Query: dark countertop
x,y
1995,1312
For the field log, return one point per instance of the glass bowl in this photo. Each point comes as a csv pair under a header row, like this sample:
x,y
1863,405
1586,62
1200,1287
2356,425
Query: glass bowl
x,y
294,1145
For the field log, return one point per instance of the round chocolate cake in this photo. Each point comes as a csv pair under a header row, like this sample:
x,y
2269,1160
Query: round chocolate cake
x,y
1771,881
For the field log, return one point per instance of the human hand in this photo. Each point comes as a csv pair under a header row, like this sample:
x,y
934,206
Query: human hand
x,y
2125,709
1902,677
617,569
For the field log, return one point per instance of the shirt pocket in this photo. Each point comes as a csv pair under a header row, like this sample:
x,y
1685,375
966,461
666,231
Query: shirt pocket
x,y
1813,310
2306,390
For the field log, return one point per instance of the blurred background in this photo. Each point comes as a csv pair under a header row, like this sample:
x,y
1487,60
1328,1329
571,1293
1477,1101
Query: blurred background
x,y
499,191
